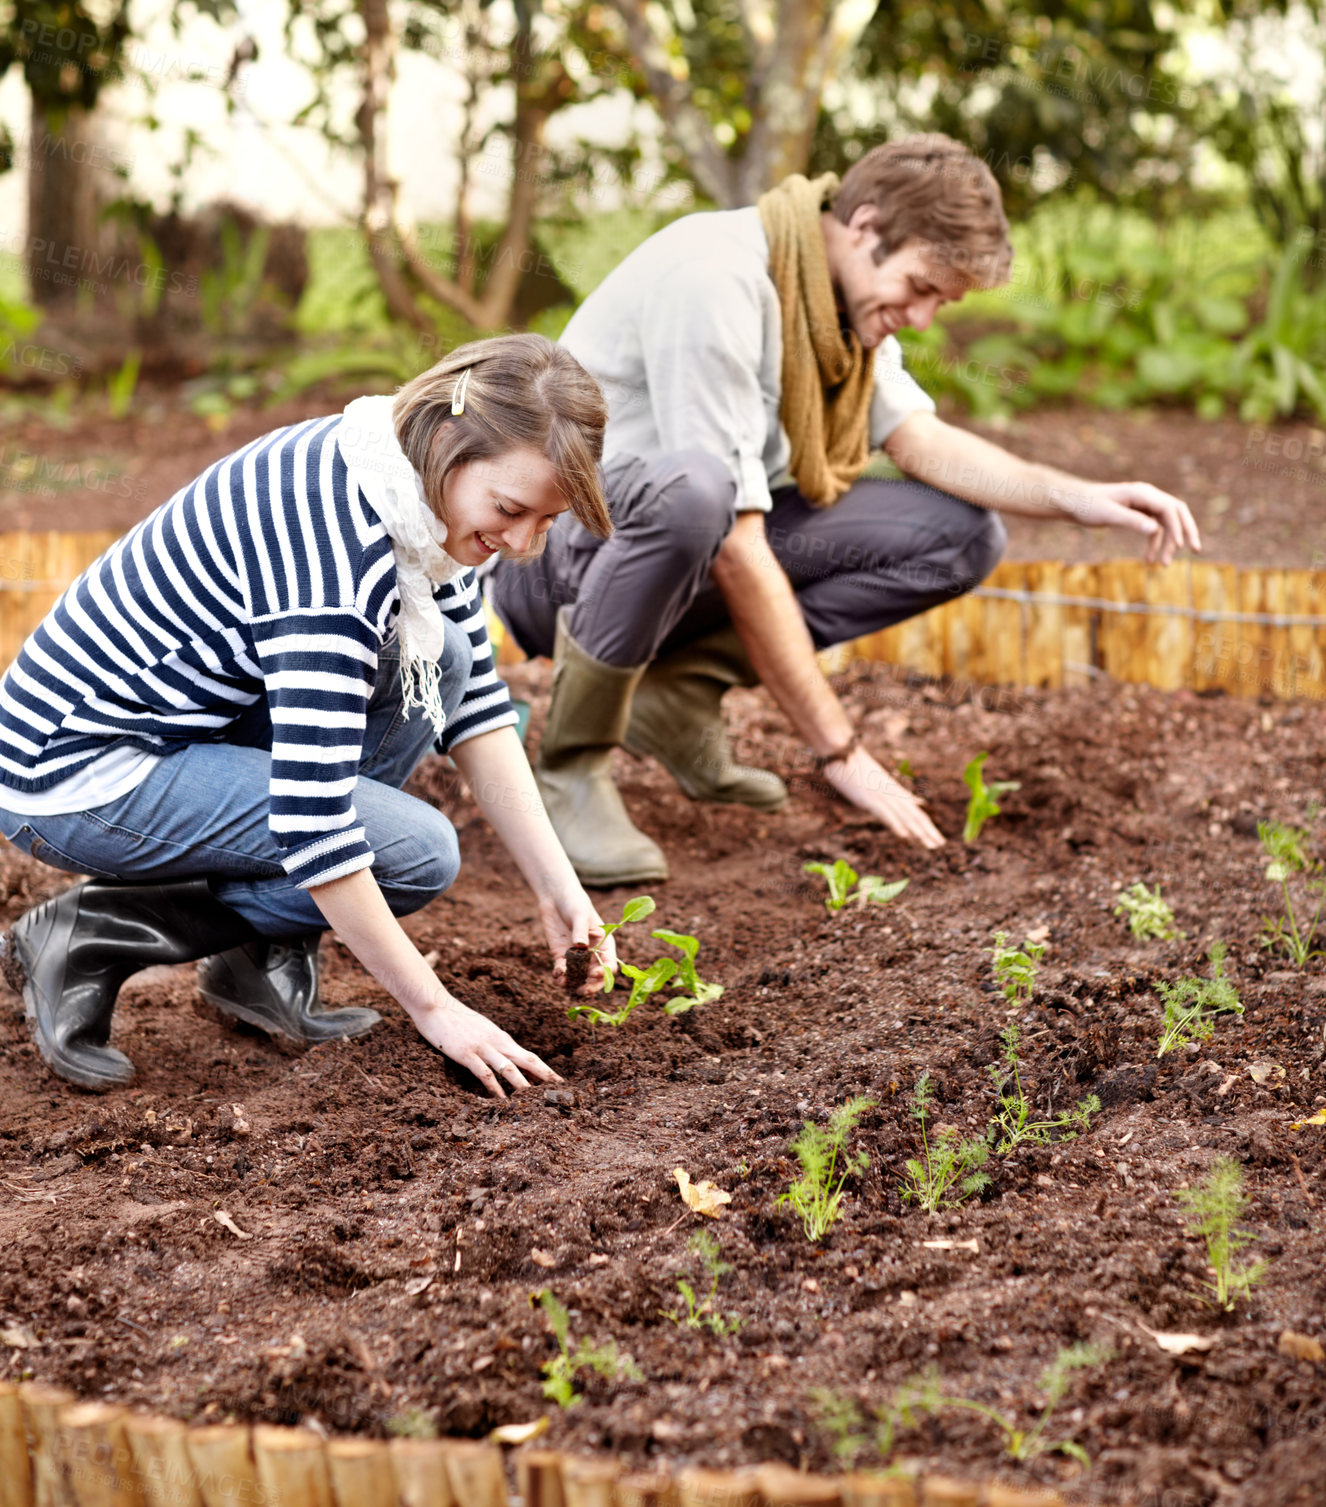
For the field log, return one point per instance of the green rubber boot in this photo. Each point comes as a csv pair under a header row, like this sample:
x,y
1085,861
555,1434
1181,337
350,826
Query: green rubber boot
x,y
677,718
587,717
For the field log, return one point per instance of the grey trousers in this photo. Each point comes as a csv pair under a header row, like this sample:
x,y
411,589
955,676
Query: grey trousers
x,y
886,551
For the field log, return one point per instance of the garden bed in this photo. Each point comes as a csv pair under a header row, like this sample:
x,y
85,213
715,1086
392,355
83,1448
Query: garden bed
x,y
395,1225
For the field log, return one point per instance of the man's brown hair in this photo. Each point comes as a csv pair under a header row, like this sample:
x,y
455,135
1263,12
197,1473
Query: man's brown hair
x,y
932,189
523,392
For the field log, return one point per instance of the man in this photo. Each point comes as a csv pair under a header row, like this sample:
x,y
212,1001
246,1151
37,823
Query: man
x,y
750,362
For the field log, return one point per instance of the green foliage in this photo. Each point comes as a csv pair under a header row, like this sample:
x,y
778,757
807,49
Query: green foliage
x,y
817,1195
650,980
120,387
1216,1205
1149,917
1287,853
840,876
704,1313
1013,1124
1015,968
697,992
983,802
1192,1004
413,1423
949,1171
1019,1444
644,982
560,1372
841,1418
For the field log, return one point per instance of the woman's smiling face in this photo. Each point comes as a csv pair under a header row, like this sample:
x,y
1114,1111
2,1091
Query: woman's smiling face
x,y
500,505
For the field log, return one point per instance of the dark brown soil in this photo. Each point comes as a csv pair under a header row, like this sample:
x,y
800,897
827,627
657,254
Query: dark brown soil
x,y
395,1225
1259,496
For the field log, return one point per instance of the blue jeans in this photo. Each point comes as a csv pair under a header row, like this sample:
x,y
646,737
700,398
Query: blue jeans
x,y
202,813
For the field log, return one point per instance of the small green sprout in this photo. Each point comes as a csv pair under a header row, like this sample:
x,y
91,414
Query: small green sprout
x,y
697,991
817,1195
1286,850
704,1313
1218,1202
840,876
560,1372
1149,917
644,982
1019,1444
1015,968
951,1171
841,1418
633,910
1191,1005
1013,1124
983,803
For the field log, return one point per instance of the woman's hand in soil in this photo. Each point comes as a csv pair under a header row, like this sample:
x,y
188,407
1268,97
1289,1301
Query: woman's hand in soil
x,y
480,1045
570,920
862,780
1167,521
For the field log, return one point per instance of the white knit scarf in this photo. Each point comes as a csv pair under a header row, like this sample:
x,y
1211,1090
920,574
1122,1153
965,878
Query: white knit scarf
x,y
391,486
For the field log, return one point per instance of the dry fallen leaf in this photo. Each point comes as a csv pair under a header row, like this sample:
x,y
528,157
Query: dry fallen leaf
x,y
542,1258
703,1198
19,1336
1300,1346
416,1285
521,1433
226,1222
1038,934
1316,1119
1266,1070
1181,1344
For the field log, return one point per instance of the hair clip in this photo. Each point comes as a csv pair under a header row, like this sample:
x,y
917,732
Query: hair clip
x,y
458,396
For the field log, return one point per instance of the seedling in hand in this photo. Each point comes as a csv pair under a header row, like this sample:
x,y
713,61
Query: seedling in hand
x,y
560,1372
1013,1124
702,1313
697,991
1191,1005
840,876
1217,1203
950,1171
983,803
1015,968
633,910
1286,850
1149,917
644,982
817,1195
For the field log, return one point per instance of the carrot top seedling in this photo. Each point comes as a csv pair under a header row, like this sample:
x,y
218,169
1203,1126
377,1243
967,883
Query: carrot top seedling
x,y
1015,968
951,1167
1217,1203
1014,1124
817,1195
840,876
1192,1004
1286,849
983,803
1149,917
560,1372
704,1313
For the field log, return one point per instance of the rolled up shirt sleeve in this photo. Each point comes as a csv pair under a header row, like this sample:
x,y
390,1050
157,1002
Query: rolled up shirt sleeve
x,y
897,393
318,669
702,334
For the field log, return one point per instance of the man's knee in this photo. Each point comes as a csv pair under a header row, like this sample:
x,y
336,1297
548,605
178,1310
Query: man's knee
x,y
699,496
983,550
419,865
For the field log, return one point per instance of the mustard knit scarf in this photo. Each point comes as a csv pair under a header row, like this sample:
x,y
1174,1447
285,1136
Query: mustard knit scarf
x,y
828,378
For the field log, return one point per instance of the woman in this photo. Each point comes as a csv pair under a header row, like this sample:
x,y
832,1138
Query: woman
x,y
215,720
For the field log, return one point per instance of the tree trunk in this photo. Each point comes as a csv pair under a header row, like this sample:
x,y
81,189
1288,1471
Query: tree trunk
x,y
62,202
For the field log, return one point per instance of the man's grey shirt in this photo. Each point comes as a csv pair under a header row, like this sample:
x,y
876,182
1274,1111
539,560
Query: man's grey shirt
x,y
685,336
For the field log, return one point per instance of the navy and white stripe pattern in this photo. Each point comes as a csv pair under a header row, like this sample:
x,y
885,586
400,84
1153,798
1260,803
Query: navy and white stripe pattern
x,y
267,576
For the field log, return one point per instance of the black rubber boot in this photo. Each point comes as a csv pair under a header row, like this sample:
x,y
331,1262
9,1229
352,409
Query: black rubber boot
x,y
274,986
69,956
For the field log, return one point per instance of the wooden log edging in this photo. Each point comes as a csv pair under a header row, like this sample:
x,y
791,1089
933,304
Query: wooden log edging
x,y
59,1451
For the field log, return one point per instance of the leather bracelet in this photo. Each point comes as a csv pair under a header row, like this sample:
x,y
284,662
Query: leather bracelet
x,y
845,752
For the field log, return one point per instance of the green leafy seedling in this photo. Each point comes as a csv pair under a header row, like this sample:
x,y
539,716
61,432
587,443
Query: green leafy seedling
x,y
983,803
1216,1205
697,992
704,1313
633,910
1015,968
950,1170
1192,1004
560,1372
840,876
1149,917
817,1195
1287,856
1014,1124
644,982
841,1418
1019,1444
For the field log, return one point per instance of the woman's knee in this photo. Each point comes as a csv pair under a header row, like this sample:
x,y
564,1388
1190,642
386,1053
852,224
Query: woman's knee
x,y
419,864
456,664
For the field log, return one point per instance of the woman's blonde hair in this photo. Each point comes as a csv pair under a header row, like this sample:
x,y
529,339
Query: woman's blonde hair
x,y
522,391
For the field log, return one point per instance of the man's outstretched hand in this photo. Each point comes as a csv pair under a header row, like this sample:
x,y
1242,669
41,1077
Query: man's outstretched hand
x,y
865,782
1167,521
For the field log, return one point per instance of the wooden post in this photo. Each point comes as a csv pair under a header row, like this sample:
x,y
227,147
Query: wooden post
x,y
1045,626
539,1478
1169,635
476,1473
781,1486
1123,634
224,1471
1079,656
962,639
96,1453
587,1481
697,1487
644,1489
941,1491
1304,650
862,1489
1001,647
291,1466
15,1462
361,1474
421,1473
1215,660
41,1408
1012,1496
161,1455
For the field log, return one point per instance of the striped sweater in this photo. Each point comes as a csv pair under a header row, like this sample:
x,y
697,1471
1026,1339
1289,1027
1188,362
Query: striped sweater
x,y
269,576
